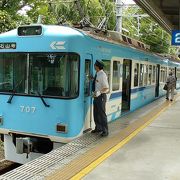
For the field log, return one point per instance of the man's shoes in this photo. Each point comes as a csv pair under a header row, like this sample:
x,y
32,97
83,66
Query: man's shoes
x,y
167,98
95,131
104,134
171,100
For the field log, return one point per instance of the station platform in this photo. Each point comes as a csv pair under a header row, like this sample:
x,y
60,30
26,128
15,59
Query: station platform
x,y
153,154
143,144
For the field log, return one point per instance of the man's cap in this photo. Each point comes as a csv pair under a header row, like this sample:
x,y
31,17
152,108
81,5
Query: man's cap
x,y
99,63
170,73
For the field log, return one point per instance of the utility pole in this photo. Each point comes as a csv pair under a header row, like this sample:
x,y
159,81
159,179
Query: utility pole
x,y
138,23
119,11
139,17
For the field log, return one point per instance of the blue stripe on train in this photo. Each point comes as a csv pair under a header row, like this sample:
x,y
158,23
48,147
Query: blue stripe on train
x,y
115,95
119,94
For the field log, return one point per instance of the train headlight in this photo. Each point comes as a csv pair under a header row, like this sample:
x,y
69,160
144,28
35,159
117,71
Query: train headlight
x,y
61,128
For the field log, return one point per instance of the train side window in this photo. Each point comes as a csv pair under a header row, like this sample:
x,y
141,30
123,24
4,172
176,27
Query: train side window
x,y
171,70
145,75
87,79
162,75
116,76
165,76
160,79
150,75
154,74
141,77
136,74
178,74
107,65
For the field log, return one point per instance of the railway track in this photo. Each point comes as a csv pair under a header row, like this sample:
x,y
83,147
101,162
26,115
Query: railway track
x,y
6,166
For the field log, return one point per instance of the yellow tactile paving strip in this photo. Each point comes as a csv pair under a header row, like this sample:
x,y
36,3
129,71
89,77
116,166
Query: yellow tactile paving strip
x,y
88,161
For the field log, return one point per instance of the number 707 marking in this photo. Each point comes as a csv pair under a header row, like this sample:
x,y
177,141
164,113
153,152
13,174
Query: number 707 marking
x,y
27,109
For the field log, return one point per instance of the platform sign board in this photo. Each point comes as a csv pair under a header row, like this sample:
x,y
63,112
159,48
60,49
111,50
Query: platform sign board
x,y
175,38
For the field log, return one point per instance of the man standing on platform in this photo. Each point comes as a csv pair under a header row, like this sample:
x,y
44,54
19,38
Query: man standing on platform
x,y
171,85
100,87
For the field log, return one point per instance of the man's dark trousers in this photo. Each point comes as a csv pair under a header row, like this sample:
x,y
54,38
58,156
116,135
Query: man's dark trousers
x,y
100,117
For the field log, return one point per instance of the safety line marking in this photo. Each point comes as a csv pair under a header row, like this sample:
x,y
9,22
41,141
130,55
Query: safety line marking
x,y
93,165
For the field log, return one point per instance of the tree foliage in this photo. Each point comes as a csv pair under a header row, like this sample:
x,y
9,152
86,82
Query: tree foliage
x,y
72,12
6,22
94,10
149,31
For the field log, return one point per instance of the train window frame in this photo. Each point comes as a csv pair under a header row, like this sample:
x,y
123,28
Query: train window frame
x,y
87,80
162,74
146,72
166,74
119,74
108,73
13,80
138,70
48,96
67,93
160,78
141,75
178,74
154,75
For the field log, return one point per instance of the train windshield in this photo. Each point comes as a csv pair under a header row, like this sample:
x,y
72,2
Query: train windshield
x,y
13,72
50,74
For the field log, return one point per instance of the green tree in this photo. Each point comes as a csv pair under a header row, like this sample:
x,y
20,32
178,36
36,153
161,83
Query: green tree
x,y
94,10
11,13
149,31
6,22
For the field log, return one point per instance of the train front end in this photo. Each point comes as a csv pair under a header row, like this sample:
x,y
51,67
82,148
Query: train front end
x,y
41,105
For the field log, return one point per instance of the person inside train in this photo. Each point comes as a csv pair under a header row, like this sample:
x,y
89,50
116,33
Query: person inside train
x,y
100,87
171,85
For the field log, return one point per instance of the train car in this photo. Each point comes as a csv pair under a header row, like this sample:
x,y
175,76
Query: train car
x,y
45,91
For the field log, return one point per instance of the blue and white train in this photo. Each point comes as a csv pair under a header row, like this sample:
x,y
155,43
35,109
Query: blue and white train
x,y
45,91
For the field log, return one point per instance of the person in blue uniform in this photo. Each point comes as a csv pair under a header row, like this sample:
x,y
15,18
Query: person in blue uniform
x,y
100,87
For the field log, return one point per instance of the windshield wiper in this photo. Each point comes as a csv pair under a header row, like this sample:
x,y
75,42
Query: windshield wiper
x,y
10,97
45,104
14,91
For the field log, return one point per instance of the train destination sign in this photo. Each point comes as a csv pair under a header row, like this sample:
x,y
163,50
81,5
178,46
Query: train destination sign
x,y
9,45
176,37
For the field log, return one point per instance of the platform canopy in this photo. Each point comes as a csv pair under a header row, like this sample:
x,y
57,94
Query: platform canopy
x,y
165,12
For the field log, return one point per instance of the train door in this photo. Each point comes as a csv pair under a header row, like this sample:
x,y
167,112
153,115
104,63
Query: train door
x,y
126,85
157,80
87,95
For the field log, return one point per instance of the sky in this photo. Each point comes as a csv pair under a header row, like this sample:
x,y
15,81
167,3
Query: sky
x,y
128,1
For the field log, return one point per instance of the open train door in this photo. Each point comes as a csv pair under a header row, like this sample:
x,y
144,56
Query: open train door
x,y
126,85
157,80
87,93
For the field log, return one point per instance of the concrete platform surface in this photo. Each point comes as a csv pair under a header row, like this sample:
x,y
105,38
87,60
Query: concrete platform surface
x,y
154,154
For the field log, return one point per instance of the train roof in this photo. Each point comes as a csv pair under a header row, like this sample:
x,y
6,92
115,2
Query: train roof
x,y
47,30
118,38
107,36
